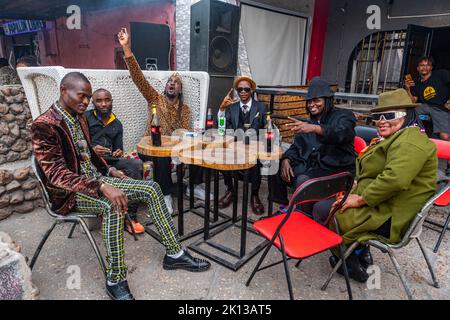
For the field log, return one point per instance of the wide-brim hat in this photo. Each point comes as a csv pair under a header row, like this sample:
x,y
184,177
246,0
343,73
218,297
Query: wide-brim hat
x,y
397,99
318,88
244,78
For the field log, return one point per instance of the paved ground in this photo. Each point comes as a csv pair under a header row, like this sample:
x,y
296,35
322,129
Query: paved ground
x,y
148,280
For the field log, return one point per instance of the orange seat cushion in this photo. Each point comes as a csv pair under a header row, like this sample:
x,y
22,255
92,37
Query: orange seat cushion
x,y
443,200
302,236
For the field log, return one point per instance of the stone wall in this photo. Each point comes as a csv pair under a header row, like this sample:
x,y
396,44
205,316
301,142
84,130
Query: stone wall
x,y
15,139
19,191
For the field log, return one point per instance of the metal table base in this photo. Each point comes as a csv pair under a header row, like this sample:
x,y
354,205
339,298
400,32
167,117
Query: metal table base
x,y
242,256
192,208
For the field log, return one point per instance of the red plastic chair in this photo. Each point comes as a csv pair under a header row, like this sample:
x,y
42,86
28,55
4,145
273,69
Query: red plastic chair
x,y
443,152
359,144
298,236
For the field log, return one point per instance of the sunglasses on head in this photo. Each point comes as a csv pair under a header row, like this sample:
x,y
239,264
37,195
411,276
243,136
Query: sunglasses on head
x,y
388,116
246,89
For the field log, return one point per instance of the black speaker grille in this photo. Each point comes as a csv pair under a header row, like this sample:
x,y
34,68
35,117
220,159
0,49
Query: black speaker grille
x,y
221,54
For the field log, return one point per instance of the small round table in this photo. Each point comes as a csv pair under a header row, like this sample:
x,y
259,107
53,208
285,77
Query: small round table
x,y
232,158
171,146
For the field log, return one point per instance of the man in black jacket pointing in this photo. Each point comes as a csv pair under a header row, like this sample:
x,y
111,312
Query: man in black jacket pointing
x,y
322,147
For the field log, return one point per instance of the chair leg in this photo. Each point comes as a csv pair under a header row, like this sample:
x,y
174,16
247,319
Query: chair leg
x,y
441,236
269,245
400,274
430,267
286,269
131,226
298,263
336,267
93,244
41,244
72,230
344,265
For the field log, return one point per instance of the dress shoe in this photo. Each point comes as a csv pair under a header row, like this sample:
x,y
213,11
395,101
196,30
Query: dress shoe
x,y
186,262
364,257
226,200
354,268
119,291
257,206
138,228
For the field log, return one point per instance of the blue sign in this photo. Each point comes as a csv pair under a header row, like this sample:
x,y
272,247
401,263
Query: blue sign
x,y
22,26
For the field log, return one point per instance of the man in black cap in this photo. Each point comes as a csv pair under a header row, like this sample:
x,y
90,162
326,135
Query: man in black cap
x,y
322,146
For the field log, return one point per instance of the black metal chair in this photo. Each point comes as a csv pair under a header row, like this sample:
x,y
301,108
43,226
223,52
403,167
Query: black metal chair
x,y
298,236
413,232
72,217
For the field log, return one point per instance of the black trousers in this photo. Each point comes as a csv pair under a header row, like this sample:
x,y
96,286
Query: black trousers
x,y
300,176
134,169
254,175
162,173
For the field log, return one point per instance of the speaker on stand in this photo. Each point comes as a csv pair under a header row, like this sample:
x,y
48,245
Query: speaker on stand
x,y
214,42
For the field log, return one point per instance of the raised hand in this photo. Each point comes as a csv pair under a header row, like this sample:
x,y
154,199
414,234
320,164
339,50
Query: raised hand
x,y
123,37
228,100
409,82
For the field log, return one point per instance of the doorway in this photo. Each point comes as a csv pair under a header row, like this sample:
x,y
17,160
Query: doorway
x,y
424,41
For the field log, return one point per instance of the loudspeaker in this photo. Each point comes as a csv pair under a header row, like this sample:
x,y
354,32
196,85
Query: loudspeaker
x,y
219,85
150,44
214,37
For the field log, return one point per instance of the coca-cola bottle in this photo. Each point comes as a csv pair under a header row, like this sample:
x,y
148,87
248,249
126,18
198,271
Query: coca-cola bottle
x,y
209,119
269,132
156,128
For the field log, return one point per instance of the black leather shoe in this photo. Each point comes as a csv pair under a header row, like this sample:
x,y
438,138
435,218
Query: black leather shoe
x,y
365,258
226,200
119,291
186,262
256,204
354,268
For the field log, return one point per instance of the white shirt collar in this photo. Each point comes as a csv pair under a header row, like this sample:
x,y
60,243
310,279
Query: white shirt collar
x,y
249,104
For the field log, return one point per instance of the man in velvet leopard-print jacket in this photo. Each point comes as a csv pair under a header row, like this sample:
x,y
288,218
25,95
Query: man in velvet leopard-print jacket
x,y
173,114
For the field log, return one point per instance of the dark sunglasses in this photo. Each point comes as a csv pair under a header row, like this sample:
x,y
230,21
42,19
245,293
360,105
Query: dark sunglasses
x,y
388,116
246,89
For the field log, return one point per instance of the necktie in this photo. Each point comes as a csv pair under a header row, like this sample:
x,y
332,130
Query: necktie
x,y
245,109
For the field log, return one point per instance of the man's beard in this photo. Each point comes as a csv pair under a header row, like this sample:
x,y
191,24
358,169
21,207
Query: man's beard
x,y
171,95
105,114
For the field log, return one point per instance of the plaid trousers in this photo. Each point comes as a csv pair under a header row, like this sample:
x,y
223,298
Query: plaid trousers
x,y
147,192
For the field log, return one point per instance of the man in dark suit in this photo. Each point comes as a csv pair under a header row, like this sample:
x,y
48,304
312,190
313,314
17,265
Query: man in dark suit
x,y
243,113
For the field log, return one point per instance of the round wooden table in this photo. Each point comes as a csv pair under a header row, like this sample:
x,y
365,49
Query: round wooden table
x,y
259,149
218,159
